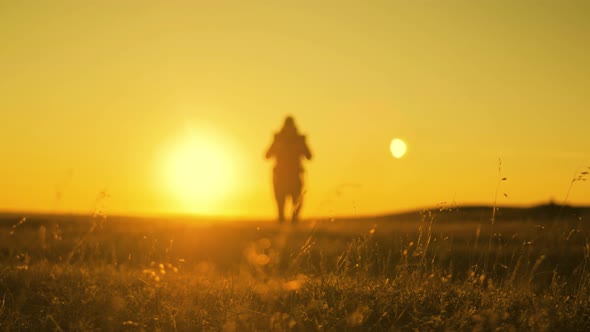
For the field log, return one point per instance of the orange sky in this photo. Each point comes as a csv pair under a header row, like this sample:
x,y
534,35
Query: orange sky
x,y
113,95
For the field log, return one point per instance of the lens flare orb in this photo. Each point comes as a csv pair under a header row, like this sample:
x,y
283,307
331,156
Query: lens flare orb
x,y
398,148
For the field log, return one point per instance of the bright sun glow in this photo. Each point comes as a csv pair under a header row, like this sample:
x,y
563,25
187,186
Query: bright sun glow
x,y
398,148
199,172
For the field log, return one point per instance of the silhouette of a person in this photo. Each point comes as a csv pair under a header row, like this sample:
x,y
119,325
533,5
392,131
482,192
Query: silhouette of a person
x,y
288,148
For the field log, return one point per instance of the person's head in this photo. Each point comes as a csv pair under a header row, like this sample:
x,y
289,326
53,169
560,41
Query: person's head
x,y
289,126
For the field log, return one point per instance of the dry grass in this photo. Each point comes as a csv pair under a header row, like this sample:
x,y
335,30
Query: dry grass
x,y
439,272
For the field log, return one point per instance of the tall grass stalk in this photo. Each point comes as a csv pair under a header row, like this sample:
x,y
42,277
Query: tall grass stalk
x,y
494,210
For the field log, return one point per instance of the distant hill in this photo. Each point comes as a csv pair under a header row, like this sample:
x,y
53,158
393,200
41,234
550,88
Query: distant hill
x,y
483,213
469,213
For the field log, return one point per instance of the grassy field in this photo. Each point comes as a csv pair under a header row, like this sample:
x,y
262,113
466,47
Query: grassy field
x,y
441,269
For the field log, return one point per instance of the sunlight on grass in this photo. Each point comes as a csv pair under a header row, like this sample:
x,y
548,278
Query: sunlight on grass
x,y
433,271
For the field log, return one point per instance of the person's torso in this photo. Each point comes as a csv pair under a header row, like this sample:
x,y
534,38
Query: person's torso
x,y
289,151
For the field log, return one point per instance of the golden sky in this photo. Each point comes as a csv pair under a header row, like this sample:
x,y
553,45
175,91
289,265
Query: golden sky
x,y
113,95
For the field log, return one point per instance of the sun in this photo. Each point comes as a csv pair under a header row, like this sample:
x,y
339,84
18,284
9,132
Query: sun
x,y
199,173
398,148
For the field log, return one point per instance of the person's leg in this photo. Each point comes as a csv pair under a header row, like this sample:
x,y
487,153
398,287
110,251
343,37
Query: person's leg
x,y
281,208
280,197
297,199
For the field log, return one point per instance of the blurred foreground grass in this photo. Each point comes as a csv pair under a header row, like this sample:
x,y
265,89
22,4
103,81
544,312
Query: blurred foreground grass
x,y
438,271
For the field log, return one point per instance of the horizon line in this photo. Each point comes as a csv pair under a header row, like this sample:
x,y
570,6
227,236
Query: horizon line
x,y
196,216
